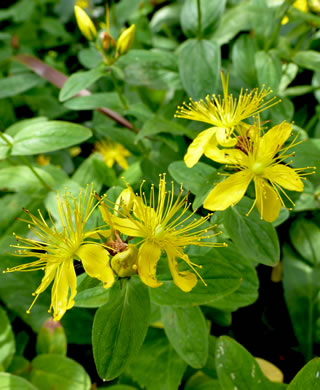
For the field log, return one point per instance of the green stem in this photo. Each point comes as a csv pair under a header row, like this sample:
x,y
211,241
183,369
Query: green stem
x,y
27,162
199,20
118,90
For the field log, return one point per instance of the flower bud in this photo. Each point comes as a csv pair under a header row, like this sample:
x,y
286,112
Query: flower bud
x,y
51,338
125,40
85,24
124,202
124,263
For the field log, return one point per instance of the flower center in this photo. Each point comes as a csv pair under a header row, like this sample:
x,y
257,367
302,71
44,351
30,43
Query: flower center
x,y
158,231
257,168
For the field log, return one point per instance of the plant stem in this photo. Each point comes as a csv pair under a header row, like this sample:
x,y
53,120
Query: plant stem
x,y
199,20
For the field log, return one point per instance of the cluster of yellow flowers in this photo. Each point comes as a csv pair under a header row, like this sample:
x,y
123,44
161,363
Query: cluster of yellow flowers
x,y
254,154
138,228
160,224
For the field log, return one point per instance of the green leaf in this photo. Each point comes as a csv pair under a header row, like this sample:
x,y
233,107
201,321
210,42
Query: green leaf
x,y
187,332
91,293
233,21
12,382
158,125
301,285
79,81
199,179
58,371
269,70
307,154
199,64
255,238
157,366
221,279
248,291
22,179
43,137
89,57
15,85
308,377
120,327
236,368
308,59
7,342
211,11
305,237
243,58
101,99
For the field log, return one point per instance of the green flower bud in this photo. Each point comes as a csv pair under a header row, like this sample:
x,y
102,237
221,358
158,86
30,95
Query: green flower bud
x,y
124,263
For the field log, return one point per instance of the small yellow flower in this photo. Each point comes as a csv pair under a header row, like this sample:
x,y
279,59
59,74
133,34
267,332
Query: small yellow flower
x,y
125,41
85,24
166,225
225,114
259,158
56,250
113,152
43,160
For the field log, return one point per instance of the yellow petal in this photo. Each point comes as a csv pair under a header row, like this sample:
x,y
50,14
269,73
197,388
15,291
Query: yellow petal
x,y
185,280
229,192
122,162
224,138
48,277
272,372
127,226
285,176
65,278
197,147
268,202
85,24
148,257
226,156
95,260
273,140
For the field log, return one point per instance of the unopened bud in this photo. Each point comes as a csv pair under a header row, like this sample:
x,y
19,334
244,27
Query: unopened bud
x,y
51,338
123,263
124,202
85,24
125,40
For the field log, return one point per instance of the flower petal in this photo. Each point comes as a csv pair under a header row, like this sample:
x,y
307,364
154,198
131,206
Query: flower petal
x,y
95,260
48,277
196,148
185,280
224,138
267,200
127,226
226,156
65,278
148,257
228,192
273,140
285,177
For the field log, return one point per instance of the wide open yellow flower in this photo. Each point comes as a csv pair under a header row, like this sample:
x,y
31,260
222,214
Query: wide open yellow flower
x,y
166,225
113,152
259,159
57,248
226,114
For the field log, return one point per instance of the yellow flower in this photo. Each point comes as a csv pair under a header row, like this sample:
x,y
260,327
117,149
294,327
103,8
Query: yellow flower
x,y
259,159
56,250
43,160
113,152
85,24
166,225
225,114
125,41
301,5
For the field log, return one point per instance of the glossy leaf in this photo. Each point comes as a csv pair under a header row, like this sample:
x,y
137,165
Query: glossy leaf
x,y
308,377
120,327
186,330
7,342
13,382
